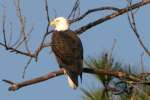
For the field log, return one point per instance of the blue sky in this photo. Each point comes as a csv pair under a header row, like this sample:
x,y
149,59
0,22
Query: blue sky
x,y
95,41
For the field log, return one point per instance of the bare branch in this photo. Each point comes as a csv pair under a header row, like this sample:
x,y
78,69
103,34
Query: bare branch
x,y
132,22
92,11
111,16
16,86
118,74
17,51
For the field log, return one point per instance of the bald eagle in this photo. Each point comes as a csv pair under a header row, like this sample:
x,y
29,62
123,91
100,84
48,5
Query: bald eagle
x,y
68,50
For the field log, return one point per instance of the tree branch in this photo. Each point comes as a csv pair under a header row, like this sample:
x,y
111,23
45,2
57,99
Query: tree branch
x,y
111,16
92,11
119,74
16,86
133,26
11,49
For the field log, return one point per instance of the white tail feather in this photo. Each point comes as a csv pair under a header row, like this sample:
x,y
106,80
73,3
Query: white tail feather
x,y
71,83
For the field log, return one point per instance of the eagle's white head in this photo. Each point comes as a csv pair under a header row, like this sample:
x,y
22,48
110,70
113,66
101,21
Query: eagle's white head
x,y
60,24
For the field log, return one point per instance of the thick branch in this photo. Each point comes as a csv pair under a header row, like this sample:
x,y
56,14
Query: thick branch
x,y
16,86
111,16
118,74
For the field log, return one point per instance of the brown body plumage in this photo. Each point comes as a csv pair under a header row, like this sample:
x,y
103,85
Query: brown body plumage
x,y
68,50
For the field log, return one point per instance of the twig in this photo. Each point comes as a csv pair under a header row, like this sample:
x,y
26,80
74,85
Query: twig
x,y
22,24
38,50
140,90
55,13
26,66
112,49
11,33
3,27
47,12
74,9
142,64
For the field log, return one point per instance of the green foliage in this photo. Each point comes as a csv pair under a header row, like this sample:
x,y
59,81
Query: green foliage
x,y
95,94
127,90
103,62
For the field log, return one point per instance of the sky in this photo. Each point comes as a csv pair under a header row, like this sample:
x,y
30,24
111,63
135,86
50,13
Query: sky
x,y
95,41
